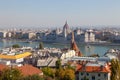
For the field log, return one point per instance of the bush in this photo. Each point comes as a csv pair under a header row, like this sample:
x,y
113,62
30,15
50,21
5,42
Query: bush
x,y
41,45
16,46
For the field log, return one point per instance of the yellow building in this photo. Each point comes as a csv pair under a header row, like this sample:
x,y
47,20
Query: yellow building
x,y
14,57
17,59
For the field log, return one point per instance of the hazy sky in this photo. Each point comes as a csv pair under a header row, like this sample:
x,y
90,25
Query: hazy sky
x,y
56,12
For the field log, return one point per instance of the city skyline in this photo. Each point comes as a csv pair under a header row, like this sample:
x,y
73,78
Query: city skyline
x,y
54,13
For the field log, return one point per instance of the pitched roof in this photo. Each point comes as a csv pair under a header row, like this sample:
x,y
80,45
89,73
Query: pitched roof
x,y
82,68
25,70
2,67
29,70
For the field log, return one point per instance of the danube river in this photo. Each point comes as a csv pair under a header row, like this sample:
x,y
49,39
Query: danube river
x,y
85,49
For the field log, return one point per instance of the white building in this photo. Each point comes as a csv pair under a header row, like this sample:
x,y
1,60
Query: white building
x,y
113,54
9,35
29,35
64,36
89,37
3,34
68,54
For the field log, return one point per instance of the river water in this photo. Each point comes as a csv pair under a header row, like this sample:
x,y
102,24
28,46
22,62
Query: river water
x,y
85,49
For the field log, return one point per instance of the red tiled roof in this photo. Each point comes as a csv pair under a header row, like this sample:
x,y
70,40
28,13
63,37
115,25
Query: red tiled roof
x,y
25,70
81,68
78,67
29,70
2,67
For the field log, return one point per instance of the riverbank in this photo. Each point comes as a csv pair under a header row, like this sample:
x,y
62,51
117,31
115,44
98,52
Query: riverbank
x,y
63,43
85,48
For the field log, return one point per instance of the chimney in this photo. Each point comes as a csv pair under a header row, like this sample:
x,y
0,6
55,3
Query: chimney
x,y
101,67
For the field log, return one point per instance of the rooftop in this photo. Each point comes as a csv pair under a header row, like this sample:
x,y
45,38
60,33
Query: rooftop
x,y
93,68
25,69
18,56
29,70
2,67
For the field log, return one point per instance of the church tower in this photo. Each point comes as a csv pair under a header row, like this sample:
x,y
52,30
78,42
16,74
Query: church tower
x,y
74,46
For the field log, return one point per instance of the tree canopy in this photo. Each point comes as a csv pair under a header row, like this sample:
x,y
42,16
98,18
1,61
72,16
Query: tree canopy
x,y
115,69
58,64
94,55
15,74
65,74
32,77
11,74
41,45
16,46
48,72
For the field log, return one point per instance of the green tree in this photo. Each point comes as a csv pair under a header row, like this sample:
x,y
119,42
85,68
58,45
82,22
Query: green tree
x,y
94,55
68,66
48,78
60,74
16,46
69,74
65,74
32,77
115,69
41,45
48,72
11,74
58,64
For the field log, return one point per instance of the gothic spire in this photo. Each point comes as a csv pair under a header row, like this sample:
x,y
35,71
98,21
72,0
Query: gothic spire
x,y
74,46
73,37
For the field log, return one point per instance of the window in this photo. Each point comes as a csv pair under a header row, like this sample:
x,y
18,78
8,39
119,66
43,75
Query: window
x,y
87,74
105,75
93,77
99,75
85,78
81,73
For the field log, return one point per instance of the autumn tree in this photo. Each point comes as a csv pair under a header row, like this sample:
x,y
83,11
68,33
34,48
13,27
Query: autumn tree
x,y
60,74
65,74
115,70
69,74
48,78
11,74
32,77
48,72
